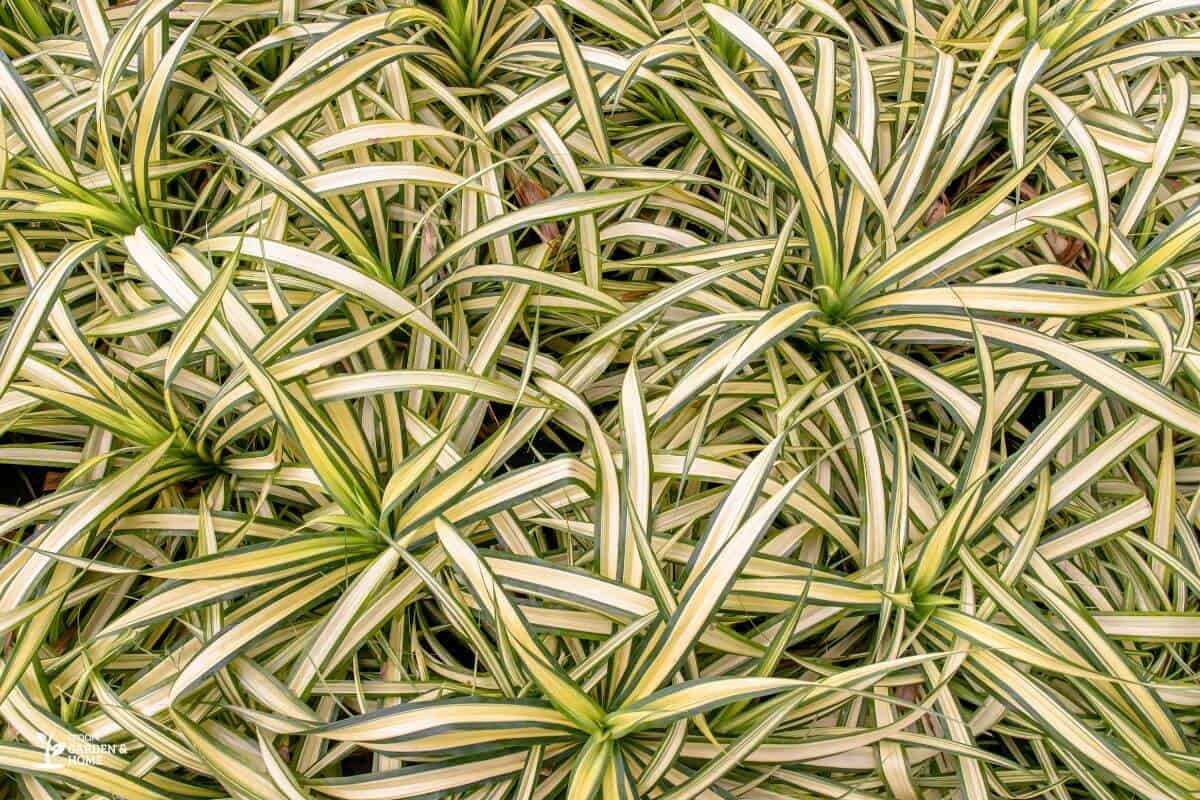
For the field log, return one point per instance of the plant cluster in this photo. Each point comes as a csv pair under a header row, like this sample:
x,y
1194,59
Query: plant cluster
x,y
519,400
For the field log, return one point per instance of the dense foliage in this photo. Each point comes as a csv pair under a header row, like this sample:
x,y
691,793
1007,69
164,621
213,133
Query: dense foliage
x,y
599,398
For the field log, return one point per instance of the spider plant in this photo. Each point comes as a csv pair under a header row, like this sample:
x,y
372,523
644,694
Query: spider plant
x,y
584,399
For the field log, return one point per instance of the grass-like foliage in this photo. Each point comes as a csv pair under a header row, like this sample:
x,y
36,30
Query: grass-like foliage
x,y
504,400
